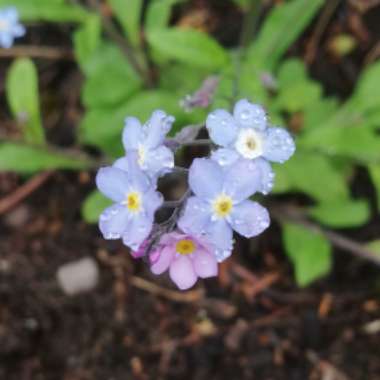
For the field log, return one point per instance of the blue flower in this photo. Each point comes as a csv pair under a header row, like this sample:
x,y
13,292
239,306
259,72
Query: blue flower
x,y
136,201
221,205
154,158
225,157
247,133
10,28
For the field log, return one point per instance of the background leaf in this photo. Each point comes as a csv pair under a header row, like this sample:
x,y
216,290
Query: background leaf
x,y
110,78
23,99
47,10
23,158
188,46
87,39
341,213
309,251
313,174
282,26
158,13
93,206
128,13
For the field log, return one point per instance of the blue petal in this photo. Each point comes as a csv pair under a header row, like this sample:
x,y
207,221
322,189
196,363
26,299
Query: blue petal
x,y
6,40
196,216
278,145
18,30
10,14
132,134
121,163
205,178
137,231
159,161
242,179
249,219
152,201
137,178
113,221
267,175
225,156
113,183
157,128
221,127
250,115
220,234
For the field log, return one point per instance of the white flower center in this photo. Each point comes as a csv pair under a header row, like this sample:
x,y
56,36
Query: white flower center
x,y
249,143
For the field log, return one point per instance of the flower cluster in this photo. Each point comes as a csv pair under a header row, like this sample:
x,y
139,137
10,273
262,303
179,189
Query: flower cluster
x,y
10,28
199,233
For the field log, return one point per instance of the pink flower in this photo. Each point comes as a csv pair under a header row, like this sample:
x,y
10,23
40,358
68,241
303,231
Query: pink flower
x,y
186,257
140,252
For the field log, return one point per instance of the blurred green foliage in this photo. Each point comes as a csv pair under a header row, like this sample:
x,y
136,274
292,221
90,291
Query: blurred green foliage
x,y
332,138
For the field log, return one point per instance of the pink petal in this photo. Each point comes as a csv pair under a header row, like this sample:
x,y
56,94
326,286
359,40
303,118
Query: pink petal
x,y
182,272
205,264
163,262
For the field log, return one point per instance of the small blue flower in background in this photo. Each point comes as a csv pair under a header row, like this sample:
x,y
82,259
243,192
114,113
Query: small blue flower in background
x,y
221,204
136,201
10,28
147,140
247,133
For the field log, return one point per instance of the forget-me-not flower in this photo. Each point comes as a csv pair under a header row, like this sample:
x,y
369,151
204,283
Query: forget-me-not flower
x,y
225,157
221,205
10,28
147,140
136,201
247,133
186,257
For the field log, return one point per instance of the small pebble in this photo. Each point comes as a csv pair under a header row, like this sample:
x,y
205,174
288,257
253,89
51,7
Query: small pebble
x,y
78,276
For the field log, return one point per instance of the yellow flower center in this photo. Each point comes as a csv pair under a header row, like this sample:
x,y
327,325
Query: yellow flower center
x,y
133,202
251,144
222,205
185,247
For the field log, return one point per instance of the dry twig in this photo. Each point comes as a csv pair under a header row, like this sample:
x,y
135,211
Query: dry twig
x,y
23,191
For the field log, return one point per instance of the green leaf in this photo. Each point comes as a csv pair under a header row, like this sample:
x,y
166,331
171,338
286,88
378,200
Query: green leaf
x,y
374,246
313,174
23,99
349,132
47,10
367,94
341,213
87,39
181,78
290,71
281,28
374,171
128,13
94,205
158,13
110,78
317,113
188,46
298,96
23,158
309,252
